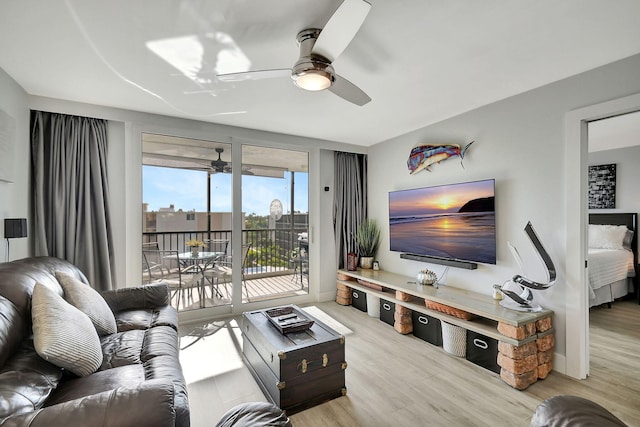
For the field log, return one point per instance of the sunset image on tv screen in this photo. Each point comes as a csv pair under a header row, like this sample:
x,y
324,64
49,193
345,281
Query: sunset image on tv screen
x,y
455,221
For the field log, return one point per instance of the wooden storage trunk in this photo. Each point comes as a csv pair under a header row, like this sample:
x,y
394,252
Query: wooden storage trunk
x,y
296,370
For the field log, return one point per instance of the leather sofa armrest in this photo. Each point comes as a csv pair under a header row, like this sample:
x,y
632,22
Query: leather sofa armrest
x,y
146,296
567,411
149,404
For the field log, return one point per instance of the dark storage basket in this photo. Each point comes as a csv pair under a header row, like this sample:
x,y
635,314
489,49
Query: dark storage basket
x,y
387,311
427,328
483,351
359,300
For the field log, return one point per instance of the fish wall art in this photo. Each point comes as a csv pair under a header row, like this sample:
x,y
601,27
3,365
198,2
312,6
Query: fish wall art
x,y
424,155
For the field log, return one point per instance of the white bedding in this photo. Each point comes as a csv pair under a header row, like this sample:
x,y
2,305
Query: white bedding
x,y
607,266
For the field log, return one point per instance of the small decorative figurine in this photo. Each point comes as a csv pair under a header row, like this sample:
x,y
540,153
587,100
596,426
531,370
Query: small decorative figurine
x,y
426,277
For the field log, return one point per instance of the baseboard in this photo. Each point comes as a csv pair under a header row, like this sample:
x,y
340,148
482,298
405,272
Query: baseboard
x,y
327,296
560,363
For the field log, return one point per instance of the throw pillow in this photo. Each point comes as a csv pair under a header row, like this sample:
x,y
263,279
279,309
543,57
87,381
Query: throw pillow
x,y
89,301
628,239
62,334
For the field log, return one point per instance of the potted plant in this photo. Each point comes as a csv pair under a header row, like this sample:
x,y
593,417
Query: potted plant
x,y
367,241
195,246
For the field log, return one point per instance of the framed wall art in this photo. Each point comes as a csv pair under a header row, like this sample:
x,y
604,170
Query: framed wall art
x,y
602,186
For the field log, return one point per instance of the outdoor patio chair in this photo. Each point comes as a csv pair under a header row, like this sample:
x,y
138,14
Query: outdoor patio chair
x,y
218,245
152,266
222,270
179,276
300,260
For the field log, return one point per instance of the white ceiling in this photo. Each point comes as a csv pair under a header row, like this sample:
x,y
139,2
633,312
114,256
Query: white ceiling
x,y
420,61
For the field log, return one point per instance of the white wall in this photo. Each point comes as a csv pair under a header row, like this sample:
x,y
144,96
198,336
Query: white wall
x,y
520,142
14,196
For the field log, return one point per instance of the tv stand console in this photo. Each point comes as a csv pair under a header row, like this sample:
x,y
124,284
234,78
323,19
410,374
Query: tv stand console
x,y
525,340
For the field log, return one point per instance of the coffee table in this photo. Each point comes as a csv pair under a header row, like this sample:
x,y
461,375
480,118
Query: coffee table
x,y
295,370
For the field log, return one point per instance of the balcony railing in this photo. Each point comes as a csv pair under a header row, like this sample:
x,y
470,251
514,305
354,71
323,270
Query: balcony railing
x,y
273,251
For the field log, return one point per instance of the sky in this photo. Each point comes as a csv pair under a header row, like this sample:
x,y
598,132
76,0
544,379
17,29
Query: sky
x,y
187,190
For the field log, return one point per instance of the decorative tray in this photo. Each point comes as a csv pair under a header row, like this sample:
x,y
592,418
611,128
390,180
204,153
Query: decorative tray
x,y
287,319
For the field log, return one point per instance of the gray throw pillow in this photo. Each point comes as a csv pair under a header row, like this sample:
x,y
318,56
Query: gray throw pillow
x,y
628,239
89,301
62,334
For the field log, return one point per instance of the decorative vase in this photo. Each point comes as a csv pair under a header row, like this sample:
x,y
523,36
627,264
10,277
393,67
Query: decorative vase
x,y
366,262
352,261
195,251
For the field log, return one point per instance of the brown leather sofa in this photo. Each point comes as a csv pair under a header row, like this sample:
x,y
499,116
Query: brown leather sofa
x,y
140,380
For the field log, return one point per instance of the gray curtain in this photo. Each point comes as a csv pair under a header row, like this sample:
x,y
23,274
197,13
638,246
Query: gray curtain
x,y
70,193
350,201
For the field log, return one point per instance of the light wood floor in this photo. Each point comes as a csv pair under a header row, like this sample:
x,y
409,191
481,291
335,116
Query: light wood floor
x,y
399,380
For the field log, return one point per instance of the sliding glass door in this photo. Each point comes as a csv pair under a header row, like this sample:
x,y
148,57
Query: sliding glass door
x,y
187,219
275,202
189,222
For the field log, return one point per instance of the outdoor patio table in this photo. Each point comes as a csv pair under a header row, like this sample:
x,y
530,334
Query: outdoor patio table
x,y
200,262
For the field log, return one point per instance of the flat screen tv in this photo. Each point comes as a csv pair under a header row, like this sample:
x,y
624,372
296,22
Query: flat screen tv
x,y
451,222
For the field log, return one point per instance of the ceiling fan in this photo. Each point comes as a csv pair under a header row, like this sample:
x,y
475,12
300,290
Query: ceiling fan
x,y
220,165
318,49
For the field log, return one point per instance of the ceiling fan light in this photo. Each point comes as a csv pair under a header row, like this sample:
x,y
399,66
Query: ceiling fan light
x,y
313,80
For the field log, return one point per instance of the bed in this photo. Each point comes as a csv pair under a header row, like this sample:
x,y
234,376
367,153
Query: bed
x,y
612,257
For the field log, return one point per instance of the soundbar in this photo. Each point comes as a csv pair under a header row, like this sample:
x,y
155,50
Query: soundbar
x,y
442,261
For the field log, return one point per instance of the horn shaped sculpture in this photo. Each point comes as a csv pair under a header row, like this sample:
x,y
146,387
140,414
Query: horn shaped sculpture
x,y
518,289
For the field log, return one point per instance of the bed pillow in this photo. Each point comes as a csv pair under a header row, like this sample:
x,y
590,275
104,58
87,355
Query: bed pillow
x,y
62,334
89,301
628,238
606,236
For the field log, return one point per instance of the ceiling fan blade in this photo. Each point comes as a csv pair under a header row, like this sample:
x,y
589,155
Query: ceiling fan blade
x,y
347,90
341,29
254,75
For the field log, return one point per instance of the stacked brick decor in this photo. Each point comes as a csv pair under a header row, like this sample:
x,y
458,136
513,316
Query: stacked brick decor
x,y
402,321
343,295
523,365
545,344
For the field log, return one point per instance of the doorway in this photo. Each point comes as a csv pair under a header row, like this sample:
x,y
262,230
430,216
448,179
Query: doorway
x,y
614,153
576,300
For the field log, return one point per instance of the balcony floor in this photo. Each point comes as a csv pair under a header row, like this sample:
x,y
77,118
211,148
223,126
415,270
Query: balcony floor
x,y
256,289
